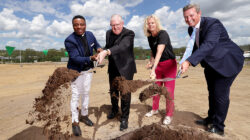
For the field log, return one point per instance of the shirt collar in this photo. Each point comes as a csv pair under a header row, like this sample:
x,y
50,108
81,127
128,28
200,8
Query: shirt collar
x,y
83,34
198,24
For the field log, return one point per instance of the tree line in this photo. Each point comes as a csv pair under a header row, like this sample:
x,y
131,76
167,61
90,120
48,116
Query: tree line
x,y
31,55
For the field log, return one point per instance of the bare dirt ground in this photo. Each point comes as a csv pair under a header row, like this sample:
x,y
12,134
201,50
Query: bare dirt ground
x,y
19,86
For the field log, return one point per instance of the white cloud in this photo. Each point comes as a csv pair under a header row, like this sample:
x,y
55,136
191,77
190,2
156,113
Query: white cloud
x,y
33,6
136,24
98,8
8,34
128,3
39,6
98,23
234,14
43,24
38,24
8,21
174,24
59,29
99,26
242,40
100,36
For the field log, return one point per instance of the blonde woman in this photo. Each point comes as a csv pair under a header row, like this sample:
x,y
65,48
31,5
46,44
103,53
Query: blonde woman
x,y
162,62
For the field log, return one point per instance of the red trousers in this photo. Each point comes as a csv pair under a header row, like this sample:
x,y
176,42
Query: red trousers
x,y
166,69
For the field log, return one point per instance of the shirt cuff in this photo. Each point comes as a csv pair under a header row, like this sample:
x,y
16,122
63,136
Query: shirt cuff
x,y
109,52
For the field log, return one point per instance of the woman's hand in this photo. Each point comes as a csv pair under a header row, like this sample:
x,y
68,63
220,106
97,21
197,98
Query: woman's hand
x,y
149,65
152,74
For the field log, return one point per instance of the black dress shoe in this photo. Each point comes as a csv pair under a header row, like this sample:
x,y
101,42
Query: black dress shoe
x,y
204,122
86,120
214,129
76,129
112,115
124,125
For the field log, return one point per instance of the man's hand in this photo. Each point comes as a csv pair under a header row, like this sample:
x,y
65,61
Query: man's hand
x,y
99,50
184,66
93,58
101,56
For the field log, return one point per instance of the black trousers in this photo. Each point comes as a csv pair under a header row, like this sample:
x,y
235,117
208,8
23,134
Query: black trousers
x,y
219,90
114,95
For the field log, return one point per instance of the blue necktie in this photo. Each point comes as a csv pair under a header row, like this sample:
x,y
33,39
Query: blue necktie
x,y
189,48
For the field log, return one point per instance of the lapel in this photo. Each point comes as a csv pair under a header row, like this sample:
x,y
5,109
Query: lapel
x,y
88,40
201,29
107,39
201,25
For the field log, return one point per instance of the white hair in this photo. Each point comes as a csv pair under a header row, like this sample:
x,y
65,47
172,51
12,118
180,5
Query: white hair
x,y
116,16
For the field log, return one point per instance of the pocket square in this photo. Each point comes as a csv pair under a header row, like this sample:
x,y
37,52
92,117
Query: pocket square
x,y
92,44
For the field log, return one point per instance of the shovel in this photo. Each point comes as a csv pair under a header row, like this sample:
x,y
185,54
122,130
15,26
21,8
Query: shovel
x,y
170,79
96,64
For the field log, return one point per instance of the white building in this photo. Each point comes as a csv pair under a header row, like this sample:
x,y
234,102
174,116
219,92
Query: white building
x,y
247,54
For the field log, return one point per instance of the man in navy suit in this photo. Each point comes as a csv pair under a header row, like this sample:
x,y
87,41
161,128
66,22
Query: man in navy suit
x,y
221,59
80,45
119,48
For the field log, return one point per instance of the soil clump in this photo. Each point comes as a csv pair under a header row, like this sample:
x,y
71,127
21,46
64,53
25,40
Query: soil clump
x,y
52,109
153,90
125,86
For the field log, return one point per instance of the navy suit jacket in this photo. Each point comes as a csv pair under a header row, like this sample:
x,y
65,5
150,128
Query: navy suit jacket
x,y
74,46
122,52
216,49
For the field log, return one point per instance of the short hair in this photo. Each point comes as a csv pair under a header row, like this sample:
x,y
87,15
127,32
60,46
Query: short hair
x,y
158,25
116,16
78,16
189,6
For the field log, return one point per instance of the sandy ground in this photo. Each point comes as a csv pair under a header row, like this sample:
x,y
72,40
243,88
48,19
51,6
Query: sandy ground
x,y
19,86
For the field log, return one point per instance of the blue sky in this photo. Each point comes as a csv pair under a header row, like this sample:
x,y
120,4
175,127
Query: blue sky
x,y
44,24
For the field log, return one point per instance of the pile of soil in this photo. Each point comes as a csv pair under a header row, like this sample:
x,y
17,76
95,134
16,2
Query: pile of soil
x,y
125,86
157,132
52,109
153,90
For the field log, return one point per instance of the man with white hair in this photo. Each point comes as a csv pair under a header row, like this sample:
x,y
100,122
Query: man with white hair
x,y
119,48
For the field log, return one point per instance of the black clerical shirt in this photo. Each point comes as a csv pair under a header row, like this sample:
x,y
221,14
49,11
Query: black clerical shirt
x,y
86,51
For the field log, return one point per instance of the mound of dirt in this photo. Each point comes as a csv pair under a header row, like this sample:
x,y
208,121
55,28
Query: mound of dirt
x,y
157,132
52,109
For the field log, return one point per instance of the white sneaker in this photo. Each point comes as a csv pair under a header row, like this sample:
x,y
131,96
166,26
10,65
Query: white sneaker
x,y
167,120
151,113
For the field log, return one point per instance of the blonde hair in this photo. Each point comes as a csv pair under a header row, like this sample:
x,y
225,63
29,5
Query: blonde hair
x,y
158,25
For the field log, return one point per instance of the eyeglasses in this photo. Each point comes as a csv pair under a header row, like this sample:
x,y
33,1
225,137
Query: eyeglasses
x,y
115,25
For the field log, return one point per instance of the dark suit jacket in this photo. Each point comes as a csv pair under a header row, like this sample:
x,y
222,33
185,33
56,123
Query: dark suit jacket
x,y
122,52
74,46
216,49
